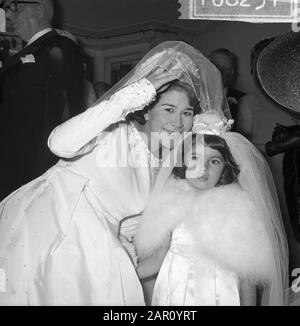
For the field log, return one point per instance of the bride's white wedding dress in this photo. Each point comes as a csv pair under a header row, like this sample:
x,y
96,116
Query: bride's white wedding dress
x,y
59,233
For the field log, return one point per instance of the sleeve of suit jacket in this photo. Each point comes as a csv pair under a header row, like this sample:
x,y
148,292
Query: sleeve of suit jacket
x,y
63,73
73,74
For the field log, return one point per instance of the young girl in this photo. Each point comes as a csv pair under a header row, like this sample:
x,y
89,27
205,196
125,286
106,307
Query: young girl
x,y
215,246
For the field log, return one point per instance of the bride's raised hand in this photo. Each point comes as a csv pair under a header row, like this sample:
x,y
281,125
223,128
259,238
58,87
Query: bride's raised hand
x,y
160,77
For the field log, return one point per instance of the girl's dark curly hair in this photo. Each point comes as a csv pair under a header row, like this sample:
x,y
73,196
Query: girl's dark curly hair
x,y
231,169
175,85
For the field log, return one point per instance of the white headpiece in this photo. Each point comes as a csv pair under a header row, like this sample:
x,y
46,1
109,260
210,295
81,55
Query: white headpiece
x,y
211,124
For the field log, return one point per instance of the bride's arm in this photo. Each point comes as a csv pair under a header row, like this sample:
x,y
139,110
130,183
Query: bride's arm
x,y
68,139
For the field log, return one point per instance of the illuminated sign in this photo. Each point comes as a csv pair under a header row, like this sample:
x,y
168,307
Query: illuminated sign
x,y
242,10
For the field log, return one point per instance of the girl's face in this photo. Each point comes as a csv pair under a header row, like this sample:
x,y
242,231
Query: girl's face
x,y
205,166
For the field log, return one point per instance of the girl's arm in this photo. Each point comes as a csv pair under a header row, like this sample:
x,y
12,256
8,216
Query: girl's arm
x,y
151,265
248,292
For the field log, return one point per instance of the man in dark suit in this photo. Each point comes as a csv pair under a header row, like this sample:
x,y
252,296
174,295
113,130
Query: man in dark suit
x,y
40,86
226,62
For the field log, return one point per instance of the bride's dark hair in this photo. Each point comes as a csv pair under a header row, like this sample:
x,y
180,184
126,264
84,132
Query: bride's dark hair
x,y
175,85
231,169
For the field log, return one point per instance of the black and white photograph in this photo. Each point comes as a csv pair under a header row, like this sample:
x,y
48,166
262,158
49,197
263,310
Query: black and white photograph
x,y
149,155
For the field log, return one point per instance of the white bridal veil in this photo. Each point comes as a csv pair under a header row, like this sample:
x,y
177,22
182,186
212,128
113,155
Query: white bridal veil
x,y
189,65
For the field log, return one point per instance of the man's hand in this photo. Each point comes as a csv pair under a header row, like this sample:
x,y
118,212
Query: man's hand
x,y
284,138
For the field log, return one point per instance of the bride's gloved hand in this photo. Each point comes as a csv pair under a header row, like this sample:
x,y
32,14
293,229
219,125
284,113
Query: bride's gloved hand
x,y
162,75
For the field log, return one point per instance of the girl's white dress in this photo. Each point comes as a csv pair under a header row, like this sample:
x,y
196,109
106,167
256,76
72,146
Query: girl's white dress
x,y
218,238
59,233
189,278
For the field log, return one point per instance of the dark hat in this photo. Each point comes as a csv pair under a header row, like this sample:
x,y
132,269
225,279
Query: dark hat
x,y
278,70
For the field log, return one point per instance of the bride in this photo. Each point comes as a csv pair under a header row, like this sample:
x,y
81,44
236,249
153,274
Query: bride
x,y
59,234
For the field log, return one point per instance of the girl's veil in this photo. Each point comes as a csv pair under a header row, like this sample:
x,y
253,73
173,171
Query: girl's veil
x,y
256,178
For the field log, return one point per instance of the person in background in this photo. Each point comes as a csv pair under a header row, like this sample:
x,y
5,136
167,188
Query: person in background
x,y
40,87
227,63
100,88
90,96
4,51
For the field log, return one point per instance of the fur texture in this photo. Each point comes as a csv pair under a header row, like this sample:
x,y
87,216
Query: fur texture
x,y
225,224
163,212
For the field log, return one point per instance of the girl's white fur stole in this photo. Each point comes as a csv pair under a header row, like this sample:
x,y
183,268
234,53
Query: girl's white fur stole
x,y
225,224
